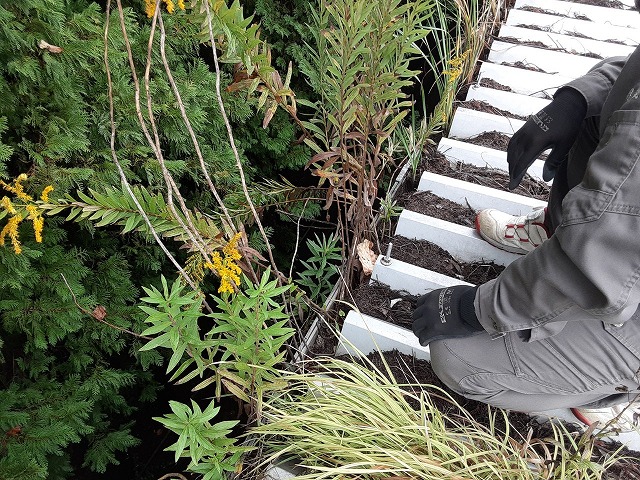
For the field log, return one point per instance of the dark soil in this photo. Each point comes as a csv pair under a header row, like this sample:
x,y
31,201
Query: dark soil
x,y
434,161
525,66
572,34
587,54
326,341
379,301
517,41
432,257
537,44
490,83
396,307
529,8
482,106
428,203
493,139
375,300
603,3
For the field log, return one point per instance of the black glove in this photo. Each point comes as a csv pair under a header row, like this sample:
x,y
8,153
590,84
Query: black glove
x,y
446,313
555,126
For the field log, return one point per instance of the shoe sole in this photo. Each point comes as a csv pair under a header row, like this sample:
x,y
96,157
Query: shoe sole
x,y
580,417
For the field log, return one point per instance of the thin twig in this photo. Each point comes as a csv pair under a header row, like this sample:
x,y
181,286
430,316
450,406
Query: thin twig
x,y
295,252
172,188
233,143
192,134
173,475
102,320
123,177
611,422
155,144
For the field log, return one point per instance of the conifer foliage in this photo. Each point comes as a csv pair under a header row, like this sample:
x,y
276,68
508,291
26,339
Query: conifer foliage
x,y
72,376
58,386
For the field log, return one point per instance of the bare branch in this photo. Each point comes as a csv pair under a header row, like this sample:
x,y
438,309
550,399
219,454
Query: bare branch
x,y
192,134
98,317
123,177
233,142
295,252
154,142
173,475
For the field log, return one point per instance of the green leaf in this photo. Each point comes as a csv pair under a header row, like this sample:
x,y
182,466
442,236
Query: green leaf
x,y
161,341
157,328
180,410
205,383
233,388
180,370
178,352
180,445
56,210
131,223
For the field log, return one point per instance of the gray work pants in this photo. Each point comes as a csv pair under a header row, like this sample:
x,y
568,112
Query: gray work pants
x,y
583,365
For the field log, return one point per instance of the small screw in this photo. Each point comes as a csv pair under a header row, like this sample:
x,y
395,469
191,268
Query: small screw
x,y
386,260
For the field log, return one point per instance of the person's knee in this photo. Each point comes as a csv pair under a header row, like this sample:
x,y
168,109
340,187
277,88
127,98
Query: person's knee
x,y
449,368
460,376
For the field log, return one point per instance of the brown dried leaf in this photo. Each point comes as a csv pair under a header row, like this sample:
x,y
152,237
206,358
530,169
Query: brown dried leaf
x,y
268,116
51,48
248,252
277,80
240,85
318,172
329,198
330,157
355,136
99,313
366,256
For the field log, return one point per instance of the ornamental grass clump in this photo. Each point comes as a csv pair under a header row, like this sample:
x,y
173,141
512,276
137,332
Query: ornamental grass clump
x,y
351,421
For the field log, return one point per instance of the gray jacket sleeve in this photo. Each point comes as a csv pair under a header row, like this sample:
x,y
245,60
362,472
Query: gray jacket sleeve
x,y
596,84
589,269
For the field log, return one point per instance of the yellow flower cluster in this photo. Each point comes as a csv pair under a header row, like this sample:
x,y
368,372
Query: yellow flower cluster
x,y
8,206
217,5
455,67
11,230
17,214
226,267
45,193
150,6
38,221
17,189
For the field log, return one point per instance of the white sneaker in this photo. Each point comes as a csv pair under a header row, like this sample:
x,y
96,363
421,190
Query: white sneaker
x,y
624,417
515,234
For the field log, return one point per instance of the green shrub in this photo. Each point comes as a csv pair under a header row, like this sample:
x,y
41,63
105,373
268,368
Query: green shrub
x,y
321,268
72,379
239,354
